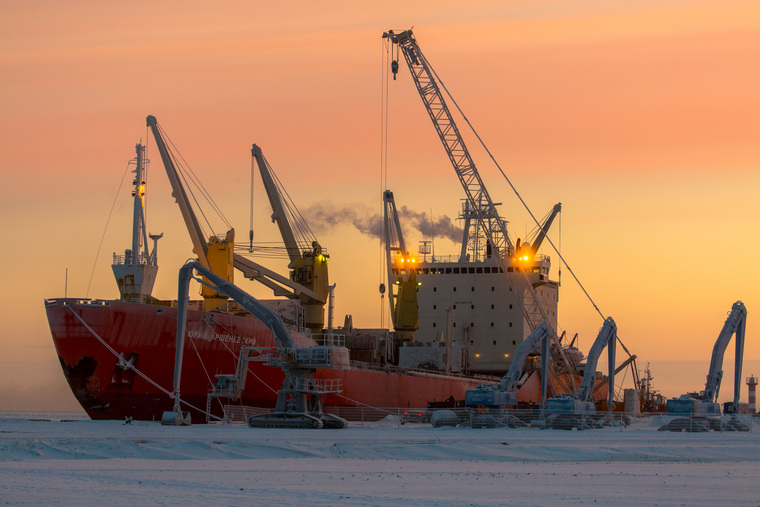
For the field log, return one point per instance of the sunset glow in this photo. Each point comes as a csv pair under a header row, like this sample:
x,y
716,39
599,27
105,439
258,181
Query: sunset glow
x,y
641,118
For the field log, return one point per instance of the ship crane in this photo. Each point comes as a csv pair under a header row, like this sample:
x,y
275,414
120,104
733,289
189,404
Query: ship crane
x,y
527,250
215,254
309,281
580,402
706,402
299,400
402,275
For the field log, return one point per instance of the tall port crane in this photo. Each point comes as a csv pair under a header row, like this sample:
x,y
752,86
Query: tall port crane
x,y
479,202
706,402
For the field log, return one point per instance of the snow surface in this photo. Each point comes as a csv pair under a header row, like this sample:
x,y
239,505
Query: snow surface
x,y
51,458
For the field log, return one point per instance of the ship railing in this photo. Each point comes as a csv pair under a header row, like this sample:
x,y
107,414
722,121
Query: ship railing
x,y
330,339
318,385
313,357
299,329
126,259
383,366
455,259
73,301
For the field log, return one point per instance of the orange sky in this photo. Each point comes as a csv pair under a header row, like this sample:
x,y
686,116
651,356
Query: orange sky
x,y
642,118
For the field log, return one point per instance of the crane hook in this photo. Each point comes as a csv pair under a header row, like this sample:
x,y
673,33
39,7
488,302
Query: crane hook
x,y
394,68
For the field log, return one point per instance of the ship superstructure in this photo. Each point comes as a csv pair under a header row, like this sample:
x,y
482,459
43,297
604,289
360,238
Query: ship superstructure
x,y
469,303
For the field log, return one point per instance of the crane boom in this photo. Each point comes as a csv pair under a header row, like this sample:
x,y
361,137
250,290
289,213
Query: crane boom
x,y
497,395
607,337
541,336
200,248
309,278
735,324
278,209
480,201
706,402
545,228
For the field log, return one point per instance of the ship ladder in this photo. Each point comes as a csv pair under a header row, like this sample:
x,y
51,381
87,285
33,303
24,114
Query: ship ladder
x,y
208,408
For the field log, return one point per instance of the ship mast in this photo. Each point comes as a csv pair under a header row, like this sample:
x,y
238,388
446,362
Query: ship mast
x,y
136,270
138,219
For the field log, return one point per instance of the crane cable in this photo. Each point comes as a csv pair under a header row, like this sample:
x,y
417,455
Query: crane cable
x,y
384,95
186,173
525,205
108,220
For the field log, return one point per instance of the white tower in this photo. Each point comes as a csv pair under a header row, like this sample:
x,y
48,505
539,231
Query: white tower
x,y
752,384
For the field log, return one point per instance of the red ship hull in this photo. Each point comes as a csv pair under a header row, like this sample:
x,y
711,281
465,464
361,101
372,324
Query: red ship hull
x,y
96,339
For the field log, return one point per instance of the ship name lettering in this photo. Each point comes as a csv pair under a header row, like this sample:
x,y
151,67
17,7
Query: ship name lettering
x,y
224,338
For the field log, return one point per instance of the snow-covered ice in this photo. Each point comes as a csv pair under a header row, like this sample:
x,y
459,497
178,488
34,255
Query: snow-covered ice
x,y
56,460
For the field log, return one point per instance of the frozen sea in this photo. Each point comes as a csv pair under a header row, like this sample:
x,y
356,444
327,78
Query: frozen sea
x,y
65,459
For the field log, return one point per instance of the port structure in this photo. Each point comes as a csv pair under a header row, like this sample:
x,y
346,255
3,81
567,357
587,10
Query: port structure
x,y
705,403
495,396
580,402
299,400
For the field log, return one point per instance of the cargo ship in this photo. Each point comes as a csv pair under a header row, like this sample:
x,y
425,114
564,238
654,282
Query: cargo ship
x,y
457,320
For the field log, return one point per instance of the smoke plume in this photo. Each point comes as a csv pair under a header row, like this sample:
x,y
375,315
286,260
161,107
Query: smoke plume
x,y
323,217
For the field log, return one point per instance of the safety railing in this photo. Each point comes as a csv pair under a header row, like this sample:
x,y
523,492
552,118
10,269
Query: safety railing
x,y
469,417
319,385
72,301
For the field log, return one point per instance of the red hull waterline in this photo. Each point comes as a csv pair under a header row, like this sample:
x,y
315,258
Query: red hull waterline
x,y
145,335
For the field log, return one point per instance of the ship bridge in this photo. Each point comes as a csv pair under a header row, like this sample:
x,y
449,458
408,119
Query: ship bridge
x,y
472,304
